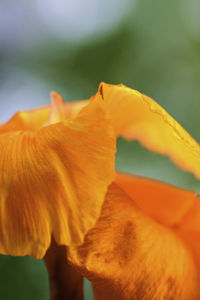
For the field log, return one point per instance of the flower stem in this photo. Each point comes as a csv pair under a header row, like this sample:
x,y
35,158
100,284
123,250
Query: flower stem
x,y
65,281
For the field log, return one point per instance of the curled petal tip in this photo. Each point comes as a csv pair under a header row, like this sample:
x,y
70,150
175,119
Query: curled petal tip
x,y
56,98
57,108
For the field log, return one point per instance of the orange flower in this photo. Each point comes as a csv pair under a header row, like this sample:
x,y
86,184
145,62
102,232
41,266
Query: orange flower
x,y
52,175
146,243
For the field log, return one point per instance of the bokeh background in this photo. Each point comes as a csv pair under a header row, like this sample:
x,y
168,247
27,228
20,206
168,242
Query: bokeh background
x,y
70,46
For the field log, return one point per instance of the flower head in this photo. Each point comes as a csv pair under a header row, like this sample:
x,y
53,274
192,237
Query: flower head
x,y
145,245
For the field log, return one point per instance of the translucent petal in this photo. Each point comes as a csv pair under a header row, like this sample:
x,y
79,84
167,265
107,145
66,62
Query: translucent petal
x,y
138,117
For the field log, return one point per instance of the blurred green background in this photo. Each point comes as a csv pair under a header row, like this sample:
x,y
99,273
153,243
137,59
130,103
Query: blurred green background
x,y
70,46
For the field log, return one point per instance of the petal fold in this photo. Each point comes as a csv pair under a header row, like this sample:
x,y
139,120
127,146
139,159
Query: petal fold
x,y
165,203
138,117
128,255
53,181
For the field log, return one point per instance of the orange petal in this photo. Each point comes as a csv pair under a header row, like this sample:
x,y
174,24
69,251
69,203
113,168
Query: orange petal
x,y
136,116
127,255
27,120
73,108
25,225
36,118
165,203
57,108
168,205
61,110
189,228
53,181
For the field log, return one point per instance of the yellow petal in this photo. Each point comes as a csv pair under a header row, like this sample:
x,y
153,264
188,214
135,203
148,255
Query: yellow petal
x,y
127,256
165,203
53,180
138,117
